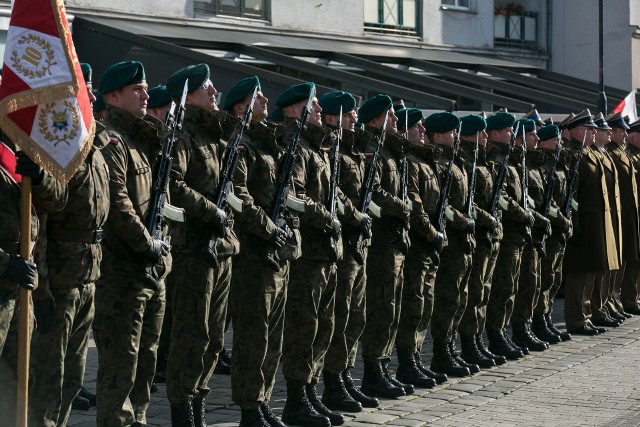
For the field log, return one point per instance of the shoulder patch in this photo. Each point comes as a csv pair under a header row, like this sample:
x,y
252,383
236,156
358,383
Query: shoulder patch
x,y
113,140
241,149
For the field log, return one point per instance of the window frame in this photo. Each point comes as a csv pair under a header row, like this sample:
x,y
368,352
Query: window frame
x,y
200,8
401,29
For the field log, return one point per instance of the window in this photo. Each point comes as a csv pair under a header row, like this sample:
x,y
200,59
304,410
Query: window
x,y
458,4
392,16
516,30
253,9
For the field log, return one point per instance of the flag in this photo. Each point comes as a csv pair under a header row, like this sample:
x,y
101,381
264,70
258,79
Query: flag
x,y
627,107
8,162
44,105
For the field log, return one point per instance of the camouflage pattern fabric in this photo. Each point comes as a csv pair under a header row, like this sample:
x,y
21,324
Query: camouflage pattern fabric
x,y
550,275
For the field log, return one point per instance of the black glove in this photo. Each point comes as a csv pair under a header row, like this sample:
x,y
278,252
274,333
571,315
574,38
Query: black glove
x,y
336,228
530,219
435,257
547,227
438,242
365,225
467,246
22,272
219,221
43,309
27,167
494,225
278,238
470,226
158,249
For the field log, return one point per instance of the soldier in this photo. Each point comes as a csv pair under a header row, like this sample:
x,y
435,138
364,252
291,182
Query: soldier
x,y
199,285
455,262
389,245
63,302
516,222
421,263
159,102
630,289
128,310
629,216
551,263
488,234
592,249
339,391
99,107
258,295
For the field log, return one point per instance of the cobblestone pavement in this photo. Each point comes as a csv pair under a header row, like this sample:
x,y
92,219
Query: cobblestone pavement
x,y
588,381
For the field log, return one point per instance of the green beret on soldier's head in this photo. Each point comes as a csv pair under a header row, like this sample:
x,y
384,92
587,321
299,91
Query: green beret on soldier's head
x,y
472,124
86,72
197,75
373,107
527,125
410,115
98,104
441,122
332,101
500,120
120,75
295,94
239,91
277,116
548,132
158,97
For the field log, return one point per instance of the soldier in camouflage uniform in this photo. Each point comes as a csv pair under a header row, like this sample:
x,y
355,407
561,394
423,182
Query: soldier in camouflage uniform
x,y
339,391
63,302
128,309
516,224
421,263
529,284
630,283
551,263
488,234
200,283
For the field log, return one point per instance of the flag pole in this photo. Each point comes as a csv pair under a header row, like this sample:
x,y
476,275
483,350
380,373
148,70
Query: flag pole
x,y
24,308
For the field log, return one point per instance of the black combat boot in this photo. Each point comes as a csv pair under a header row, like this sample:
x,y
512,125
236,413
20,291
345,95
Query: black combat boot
x,y
509,339
498,344
473,368
298,409
408,388
439,377
409,373
365,401
87,395
564,336
336,396
270,417
499,360
252,418
199,412
335,418
182,415
471,353
522,338
445,363
541,330
374,383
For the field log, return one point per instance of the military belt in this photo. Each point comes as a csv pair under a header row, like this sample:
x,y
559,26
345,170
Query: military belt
x,y
71,235
10,247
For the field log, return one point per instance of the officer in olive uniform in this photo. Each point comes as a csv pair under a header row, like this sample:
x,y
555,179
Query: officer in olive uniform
x,y
128,310
630,285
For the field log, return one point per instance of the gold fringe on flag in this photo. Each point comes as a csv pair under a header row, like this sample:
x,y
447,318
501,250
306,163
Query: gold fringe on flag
x,y
29,98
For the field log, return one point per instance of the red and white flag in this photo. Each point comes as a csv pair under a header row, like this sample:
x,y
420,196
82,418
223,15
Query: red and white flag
x,y
627,107
44,105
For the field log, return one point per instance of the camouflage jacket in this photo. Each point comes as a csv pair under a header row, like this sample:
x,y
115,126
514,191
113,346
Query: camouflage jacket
x,y
195,173
134,145
537,184
559,197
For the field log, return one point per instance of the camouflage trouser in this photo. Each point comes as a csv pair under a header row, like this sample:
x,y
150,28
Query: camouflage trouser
x,y
257,301
197,333
165,334
630,285
59,356
550,276
528,286
309,320
8,305
8,356
450,291
417,300
482,266
350,312
504,285
126,329
578,288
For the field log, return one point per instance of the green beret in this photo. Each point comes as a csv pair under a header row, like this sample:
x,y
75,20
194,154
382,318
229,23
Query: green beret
x,y
410,115
197,75
295,94
86,72
500,120
373,107
332,101
472,124
527,124
548,132
121,74
239,91
277,116
98,104
441,122
158,97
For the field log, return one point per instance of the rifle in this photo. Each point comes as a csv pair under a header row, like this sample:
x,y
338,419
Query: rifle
x,y
573,179
524,184
404,178
284,182
333,186
499,181
158,206
224,186
548,190
357,251
472,182
445,188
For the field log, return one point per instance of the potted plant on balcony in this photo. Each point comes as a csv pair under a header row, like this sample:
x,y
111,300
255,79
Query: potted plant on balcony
x,y
511,8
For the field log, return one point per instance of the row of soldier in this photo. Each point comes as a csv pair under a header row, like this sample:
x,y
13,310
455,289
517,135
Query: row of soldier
x,y
405,223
